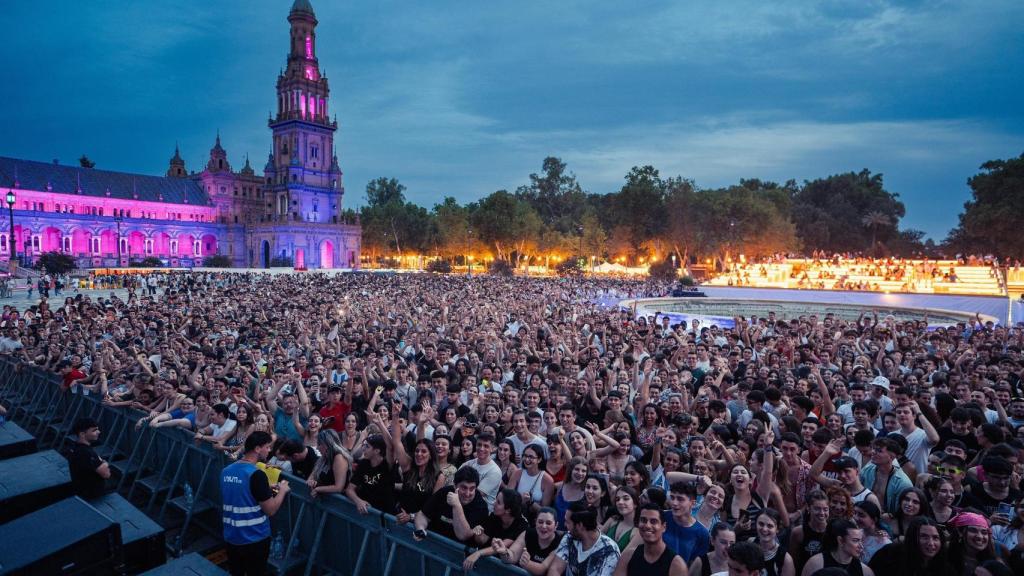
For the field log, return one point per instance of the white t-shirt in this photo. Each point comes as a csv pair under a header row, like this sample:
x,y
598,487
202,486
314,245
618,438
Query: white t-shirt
x,y
490,480
227,427
918,448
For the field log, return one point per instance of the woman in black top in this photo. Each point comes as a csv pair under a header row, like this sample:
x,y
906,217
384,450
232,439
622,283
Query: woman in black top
x,y
717,558
331,473
843,546
420,476
533,549
923,552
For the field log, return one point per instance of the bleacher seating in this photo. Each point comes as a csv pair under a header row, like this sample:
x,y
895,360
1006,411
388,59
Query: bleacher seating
x,y
913,276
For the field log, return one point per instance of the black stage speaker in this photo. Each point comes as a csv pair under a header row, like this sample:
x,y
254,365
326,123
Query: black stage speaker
x,y
188,565
27,483
14,441
69,537
142,539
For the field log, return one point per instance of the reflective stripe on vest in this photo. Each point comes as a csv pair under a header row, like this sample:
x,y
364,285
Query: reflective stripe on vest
x,y
244,520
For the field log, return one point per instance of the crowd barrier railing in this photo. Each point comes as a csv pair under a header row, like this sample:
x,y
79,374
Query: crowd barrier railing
x,y
167,470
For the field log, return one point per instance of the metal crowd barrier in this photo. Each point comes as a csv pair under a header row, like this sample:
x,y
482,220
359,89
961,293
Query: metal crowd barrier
x,y
323,535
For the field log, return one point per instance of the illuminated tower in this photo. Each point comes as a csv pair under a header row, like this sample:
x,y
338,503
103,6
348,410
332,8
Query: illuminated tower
x,y
300,206
305,179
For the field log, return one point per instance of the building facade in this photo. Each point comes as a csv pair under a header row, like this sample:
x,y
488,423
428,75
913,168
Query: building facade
x,y
293,211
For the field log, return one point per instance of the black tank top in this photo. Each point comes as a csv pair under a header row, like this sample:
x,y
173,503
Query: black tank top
x,y
810,545
538,554
852,569
639,566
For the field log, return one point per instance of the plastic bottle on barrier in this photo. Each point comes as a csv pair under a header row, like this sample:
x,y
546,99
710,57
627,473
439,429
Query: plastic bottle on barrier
x,y
189,496
277,546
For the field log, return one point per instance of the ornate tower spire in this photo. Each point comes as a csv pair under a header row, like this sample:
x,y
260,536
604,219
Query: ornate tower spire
x,y
177,165
218,158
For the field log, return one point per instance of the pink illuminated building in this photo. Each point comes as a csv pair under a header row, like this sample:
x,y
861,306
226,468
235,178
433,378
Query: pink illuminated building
x,y
294,210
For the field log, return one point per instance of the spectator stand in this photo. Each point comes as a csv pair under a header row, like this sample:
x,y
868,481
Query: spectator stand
x,y
323,535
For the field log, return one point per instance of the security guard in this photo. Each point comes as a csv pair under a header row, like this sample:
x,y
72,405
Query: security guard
x,y
249,501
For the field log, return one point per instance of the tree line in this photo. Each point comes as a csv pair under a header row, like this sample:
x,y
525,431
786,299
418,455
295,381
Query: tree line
x,y
652,216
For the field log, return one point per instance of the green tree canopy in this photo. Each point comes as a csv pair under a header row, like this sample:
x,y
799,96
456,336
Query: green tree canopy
x,y
555,196
990,222
830,213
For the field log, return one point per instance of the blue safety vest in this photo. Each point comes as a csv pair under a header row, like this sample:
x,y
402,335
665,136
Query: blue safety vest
x,y
244,520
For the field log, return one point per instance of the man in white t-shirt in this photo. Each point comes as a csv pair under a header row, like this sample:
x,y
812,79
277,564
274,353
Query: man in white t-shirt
x,y
523,437
222,425
490,473
920,440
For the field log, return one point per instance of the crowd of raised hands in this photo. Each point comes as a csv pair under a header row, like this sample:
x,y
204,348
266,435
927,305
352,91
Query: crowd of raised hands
x,y
489,410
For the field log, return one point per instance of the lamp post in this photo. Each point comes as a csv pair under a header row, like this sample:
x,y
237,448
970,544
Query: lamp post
x,y
11,199
580,260
469,250
118,220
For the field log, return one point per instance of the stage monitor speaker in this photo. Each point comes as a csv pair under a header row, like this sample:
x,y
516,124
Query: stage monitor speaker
x,y
30,482
69,537
142,539
188,565
14,441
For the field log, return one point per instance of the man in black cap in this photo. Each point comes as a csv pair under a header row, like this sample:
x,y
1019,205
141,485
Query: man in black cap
x,y
89,472
848,473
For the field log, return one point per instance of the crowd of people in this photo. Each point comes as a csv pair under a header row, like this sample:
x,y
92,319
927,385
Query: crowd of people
x,y
526,420
837,272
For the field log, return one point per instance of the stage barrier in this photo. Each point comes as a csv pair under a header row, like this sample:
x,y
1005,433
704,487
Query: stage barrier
x,y
167,470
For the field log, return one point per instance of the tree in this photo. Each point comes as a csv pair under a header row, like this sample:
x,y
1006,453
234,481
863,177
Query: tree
x,y
829,212
56,262
662,270
555,196
84,162
570,267
990,222
383,191
509,224
452,222
217,261
637,211
439,266
390,224
875,220
501,268
149,262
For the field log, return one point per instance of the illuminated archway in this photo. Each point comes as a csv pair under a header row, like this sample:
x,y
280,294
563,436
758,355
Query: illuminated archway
x,y
327,254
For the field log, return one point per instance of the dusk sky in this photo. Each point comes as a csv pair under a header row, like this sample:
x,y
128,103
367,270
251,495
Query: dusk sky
x,y
465,98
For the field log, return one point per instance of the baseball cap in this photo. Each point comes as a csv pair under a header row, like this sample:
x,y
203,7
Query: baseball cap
x,y
881,381
845,462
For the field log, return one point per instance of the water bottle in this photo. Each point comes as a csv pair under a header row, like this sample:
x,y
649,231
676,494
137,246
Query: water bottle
x,y
189,496
277,546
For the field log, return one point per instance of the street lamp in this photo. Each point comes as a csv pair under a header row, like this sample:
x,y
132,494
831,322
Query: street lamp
x,y
11,199
469,250
118,220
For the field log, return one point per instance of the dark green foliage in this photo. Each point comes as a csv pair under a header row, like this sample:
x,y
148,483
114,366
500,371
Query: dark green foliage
x,y
148,262
572,267
56,262
846,212
662,270
439,266
501,268
990,222
217,261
